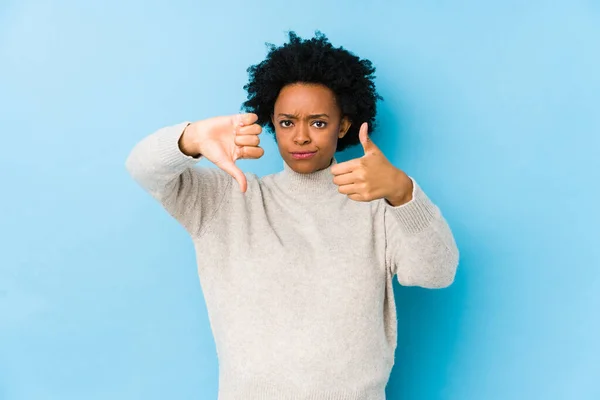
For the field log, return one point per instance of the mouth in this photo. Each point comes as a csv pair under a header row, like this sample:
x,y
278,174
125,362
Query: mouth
x,y
303,155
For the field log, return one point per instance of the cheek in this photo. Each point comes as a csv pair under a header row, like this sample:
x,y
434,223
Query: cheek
x,y
281,133
332,135
326,141
333,139
277,135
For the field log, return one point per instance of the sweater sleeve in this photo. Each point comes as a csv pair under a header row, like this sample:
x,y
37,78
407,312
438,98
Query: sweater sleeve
x,y
420,247
190,194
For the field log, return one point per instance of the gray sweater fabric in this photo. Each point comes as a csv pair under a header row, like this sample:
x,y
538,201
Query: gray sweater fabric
x,y
297,277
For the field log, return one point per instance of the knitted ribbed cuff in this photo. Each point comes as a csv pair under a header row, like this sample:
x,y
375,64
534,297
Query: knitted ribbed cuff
x,y
417,214
168,147
231,389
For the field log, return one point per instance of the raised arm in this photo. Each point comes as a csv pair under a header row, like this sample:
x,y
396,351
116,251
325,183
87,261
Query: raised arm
x,y
163,164
420,247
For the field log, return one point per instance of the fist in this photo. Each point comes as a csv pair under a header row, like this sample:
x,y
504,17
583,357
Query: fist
x,y
223,140
372,176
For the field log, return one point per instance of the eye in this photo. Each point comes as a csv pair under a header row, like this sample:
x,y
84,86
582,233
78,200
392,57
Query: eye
x,y
320,124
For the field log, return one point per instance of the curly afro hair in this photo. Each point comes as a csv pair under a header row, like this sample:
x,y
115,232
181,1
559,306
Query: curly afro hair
x,y
315,61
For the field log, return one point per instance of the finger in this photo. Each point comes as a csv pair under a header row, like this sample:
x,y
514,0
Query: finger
x,y
357,197
253,129
345,167
252,152
245,119
345,179
363,136
236,173
348,189
246,140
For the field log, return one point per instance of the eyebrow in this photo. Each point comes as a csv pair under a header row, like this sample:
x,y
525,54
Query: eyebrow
x,y
312,116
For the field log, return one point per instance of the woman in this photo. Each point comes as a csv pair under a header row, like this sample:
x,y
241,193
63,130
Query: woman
x,y
297,267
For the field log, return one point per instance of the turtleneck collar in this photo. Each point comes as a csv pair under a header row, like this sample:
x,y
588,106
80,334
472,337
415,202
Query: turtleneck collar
x,y
311,185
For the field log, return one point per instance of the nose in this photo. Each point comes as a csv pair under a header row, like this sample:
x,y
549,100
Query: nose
x,y
301,135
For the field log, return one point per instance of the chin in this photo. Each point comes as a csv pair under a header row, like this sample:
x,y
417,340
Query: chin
x,y
302,167
307,166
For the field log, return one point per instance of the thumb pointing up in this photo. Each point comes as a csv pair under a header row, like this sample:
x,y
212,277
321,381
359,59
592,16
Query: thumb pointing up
x,y
363,135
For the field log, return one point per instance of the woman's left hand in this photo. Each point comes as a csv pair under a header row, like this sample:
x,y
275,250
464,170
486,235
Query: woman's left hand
x,y
372,176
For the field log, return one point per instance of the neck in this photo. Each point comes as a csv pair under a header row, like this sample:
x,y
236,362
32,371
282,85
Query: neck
x,y
312,185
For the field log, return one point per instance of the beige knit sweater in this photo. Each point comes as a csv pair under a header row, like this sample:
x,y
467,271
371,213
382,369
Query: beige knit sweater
x,y
297,278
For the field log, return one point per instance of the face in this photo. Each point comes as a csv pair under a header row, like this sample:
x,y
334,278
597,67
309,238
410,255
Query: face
x,y
308,124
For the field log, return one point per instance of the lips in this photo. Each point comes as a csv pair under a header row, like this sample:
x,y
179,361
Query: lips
x,y
303,155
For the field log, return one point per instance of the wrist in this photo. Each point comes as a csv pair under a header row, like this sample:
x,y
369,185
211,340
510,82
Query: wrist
x,y
403,192
187,142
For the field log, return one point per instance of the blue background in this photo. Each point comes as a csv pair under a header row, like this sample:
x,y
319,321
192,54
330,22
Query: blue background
x,y
492,106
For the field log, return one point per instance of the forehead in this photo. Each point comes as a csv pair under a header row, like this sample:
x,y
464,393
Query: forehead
x,y
305,98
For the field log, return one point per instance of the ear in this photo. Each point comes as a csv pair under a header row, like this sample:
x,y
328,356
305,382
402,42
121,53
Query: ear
x,y
345,125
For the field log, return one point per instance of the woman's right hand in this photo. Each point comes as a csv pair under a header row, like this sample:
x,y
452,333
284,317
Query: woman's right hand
x,y
223,140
